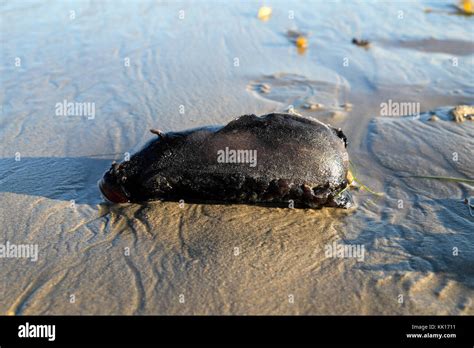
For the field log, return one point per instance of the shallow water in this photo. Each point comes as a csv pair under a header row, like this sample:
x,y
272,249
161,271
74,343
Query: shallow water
x,y
206,68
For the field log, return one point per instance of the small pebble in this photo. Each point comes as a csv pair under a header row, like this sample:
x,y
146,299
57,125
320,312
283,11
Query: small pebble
x,y
264,88
462,112
264,13
301,42
347,106
361,43
466,7
313,106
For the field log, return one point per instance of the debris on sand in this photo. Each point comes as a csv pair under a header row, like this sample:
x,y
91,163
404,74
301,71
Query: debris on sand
x,y
470,205
354,182
313,106
347,106
301,42
299,38
264,88
361,43
463,112
444,178
294,34
264,13
466,7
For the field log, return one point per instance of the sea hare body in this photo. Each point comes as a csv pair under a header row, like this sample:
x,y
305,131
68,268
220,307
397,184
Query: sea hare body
x,y
276,158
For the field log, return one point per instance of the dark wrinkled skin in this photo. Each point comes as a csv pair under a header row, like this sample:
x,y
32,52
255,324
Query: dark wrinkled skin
x,y
298,159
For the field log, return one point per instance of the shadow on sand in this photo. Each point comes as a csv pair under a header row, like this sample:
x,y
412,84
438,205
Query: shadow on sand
x,y
58,178
421,249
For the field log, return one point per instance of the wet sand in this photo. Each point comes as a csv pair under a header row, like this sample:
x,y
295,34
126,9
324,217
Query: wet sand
x,y
163,258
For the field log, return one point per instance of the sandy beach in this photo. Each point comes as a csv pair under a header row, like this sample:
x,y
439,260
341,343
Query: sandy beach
x,y
178,65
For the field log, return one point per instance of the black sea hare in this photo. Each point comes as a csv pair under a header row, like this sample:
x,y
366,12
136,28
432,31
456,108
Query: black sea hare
x,y
276,158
